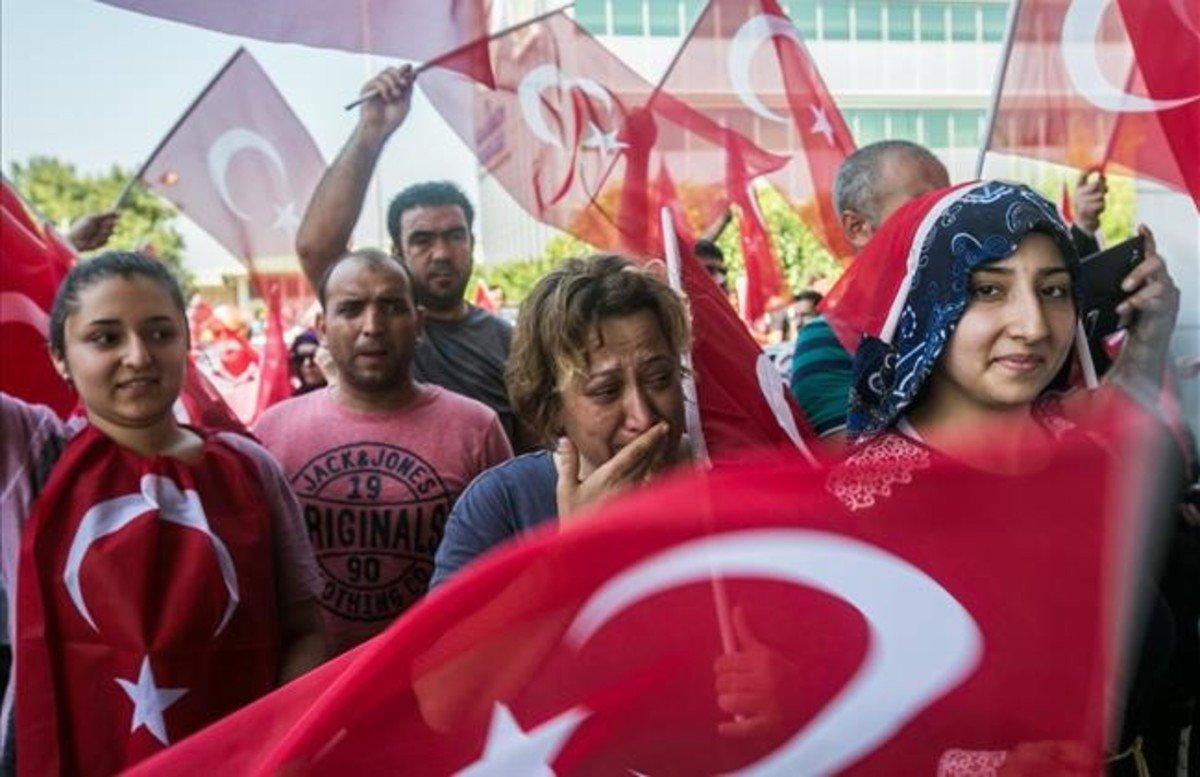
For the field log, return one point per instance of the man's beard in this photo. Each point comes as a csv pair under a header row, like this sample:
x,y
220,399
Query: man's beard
x,y
391,377
450,300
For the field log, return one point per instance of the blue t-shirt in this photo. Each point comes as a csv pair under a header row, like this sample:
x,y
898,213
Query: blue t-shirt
x,y
505,501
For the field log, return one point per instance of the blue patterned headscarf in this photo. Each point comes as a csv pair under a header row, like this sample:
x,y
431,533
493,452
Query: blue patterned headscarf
x,y
965,228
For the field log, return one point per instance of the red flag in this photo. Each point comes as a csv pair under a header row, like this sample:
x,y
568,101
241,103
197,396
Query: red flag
x,y
239,163
774,94
764,276
146,605
275,378
1089,84
595,651
33,261
741,400
483,297
408,29
1064,204
201,405
564,121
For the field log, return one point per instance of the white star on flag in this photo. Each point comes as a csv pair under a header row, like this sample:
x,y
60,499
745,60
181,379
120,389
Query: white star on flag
x,y
605,142
509,750
286,218
150,702
821,125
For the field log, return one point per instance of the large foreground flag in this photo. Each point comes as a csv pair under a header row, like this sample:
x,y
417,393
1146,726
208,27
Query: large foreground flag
x,y
570,132
408,29
1090,83
893,647
239,163
748,55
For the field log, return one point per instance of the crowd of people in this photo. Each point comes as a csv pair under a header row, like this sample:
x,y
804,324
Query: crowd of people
x,y
436,431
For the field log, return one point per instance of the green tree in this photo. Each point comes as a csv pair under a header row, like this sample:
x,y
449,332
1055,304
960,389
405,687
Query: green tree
x,y
516,278
61,194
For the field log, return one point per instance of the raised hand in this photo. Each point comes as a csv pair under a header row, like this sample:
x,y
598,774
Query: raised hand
x,y
386,111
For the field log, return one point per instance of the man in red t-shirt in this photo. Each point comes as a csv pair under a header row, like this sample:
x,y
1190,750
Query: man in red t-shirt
x,y
377,460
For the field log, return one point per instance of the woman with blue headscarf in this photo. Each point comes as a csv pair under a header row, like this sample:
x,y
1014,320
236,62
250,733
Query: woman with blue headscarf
x,y
965,342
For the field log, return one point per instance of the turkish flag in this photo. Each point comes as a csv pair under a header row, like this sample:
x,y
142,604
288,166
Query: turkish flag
x,y
275,376
741,400
239,163
146,604
569,130
33,261
746,62
201,405
764,276
1089,84
598,651
408,29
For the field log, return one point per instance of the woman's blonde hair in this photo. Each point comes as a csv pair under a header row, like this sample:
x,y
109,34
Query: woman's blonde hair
x,y
549,346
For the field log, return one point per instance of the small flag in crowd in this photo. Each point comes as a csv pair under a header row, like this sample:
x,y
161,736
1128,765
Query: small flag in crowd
x,y
751,52
239,163
1089,84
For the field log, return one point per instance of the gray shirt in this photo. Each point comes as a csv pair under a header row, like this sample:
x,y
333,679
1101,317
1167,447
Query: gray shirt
x,y
467,357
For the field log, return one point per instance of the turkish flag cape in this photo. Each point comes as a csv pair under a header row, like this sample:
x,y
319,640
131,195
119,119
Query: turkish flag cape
x,y
741,400
33,260
899,633
748,55
569,130
146,604
1093,84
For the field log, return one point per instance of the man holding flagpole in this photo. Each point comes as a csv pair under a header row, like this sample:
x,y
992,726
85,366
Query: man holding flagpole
x,y
462,348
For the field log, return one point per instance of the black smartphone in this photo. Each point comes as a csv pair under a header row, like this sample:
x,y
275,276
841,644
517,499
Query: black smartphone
x,y
1100,278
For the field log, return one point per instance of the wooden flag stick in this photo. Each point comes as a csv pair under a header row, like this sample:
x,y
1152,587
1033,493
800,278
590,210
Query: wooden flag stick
x,y
452,53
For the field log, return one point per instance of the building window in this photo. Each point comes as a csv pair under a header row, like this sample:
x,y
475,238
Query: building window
x,y
870,126
962,22
902,124
664,17
868,20
966,128
804,16
935,129
900,21
995,21
836,18
693,9
590,16
933,21
627,17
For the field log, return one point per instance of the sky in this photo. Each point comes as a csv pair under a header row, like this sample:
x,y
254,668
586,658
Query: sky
x,y
95,86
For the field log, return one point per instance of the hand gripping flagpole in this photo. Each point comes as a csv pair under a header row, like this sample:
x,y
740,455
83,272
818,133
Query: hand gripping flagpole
x,y
998,85
441,59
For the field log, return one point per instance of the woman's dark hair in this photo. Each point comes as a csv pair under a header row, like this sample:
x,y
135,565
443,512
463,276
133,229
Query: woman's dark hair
x,y
89,272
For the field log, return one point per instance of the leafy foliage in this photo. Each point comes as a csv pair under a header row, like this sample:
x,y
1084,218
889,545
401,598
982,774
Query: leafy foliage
x,y
61,195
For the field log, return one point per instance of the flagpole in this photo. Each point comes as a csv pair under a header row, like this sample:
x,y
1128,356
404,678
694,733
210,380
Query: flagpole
x,y
998,84
191,107
441,58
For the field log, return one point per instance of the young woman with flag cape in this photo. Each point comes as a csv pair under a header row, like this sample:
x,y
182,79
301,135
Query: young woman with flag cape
x,y
159,575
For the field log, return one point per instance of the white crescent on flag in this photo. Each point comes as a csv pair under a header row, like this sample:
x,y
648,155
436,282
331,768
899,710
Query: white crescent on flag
x,y
1080,27
923,642
110,516
222,150
18,308
529,96
742,47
